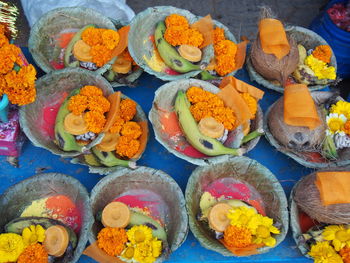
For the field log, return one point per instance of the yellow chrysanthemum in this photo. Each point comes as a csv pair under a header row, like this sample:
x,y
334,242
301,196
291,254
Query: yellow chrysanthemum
x,y
138,234
335,123
262,227
148,251
323,252
33,234
341,107
338,234
241,216
320,68
11,246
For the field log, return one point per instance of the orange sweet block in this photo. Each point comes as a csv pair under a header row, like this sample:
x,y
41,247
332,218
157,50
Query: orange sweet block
x,y
240,54
142,139
123,41
114,100
94,252
205,26
245,251
242,87
273,37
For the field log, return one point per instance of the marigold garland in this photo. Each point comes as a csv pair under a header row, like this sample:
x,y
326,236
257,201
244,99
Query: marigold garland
x,y
131,129
127,147
95,121
78,104
238,237
127,109
34,253
323,52
112,240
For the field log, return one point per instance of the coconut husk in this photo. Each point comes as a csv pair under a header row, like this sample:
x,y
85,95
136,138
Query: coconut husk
x,y
41,41
285,137
141,46
245,170
147,179
164,102
19,196
50,90
303,36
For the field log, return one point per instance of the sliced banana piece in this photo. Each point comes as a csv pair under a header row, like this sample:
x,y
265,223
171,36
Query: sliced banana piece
x,y
210,127
191,53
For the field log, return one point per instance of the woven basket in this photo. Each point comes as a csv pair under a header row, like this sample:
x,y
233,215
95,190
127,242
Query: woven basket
x,y
343,160
247,171
50,90
41,41
147,180
19,196
164,100
303,36
141,47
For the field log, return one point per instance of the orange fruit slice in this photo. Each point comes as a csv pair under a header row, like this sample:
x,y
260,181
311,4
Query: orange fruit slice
x,y
121,65
191,53
116,214
56,240
218,217
109,142
75,124
81,51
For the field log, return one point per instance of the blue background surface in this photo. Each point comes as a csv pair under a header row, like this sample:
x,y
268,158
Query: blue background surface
x,y
37,160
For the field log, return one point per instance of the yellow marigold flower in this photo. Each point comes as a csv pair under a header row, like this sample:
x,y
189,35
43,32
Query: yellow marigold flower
x,y
225,64
95,121
345,254
323,252
194,37
138,234
78,104
252,104
323,52
127,147
262,227
92,36
238,237
176,20
100,55
98,103
225,47
176,35
33,234
91,91
320,68
112,240
341,107
110,38
127,109
338,234
11,246
128,252
219,35
145,252
3,40
131,129
241,216
34,253
117,125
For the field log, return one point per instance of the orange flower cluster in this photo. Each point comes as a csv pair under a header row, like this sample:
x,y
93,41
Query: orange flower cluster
x,y
178,32
112,240
126,55
345,254
34,253
127,147
95,121
102,43
346,128
323,52
238,237
207,104
225,52
127,109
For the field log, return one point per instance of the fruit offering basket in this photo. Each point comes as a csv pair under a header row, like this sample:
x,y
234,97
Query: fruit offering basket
x,y
237,207
319,215
73,37
150,50
48,214
181,134
325,146
145,206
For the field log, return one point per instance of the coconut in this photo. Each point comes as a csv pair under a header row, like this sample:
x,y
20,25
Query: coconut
x,y
256,177
164,103
42,40
51,90
19,196
157,186
142,48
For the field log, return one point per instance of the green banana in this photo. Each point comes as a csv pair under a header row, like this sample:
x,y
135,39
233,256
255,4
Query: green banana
x,y
169,54
188,124
328,148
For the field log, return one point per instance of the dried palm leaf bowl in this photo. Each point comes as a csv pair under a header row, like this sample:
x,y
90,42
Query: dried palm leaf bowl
x,y
51,91
143,50
163,105
300,143
240,170
303,36
150,187
20,196
305,202
43,40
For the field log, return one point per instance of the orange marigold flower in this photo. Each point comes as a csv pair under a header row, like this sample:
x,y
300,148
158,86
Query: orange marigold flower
x,y
9,55
346,128
195,38
238,237
200,110
117,125
127,109
91,91
112,240
3,85
92,36
345,254
176,35
2,29
3,40
95,121
225,64
110,38
226,116
197,94
225,47
131,129
34,253
252,104
323,52
77,104
98,103
127,147
176,20
126,55
219,35
100,55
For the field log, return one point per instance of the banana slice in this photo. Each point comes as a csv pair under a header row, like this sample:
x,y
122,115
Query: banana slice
x,y
210,127
191,53
218,217
56,240
109,142
81,51
121,65
75,124
116,214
